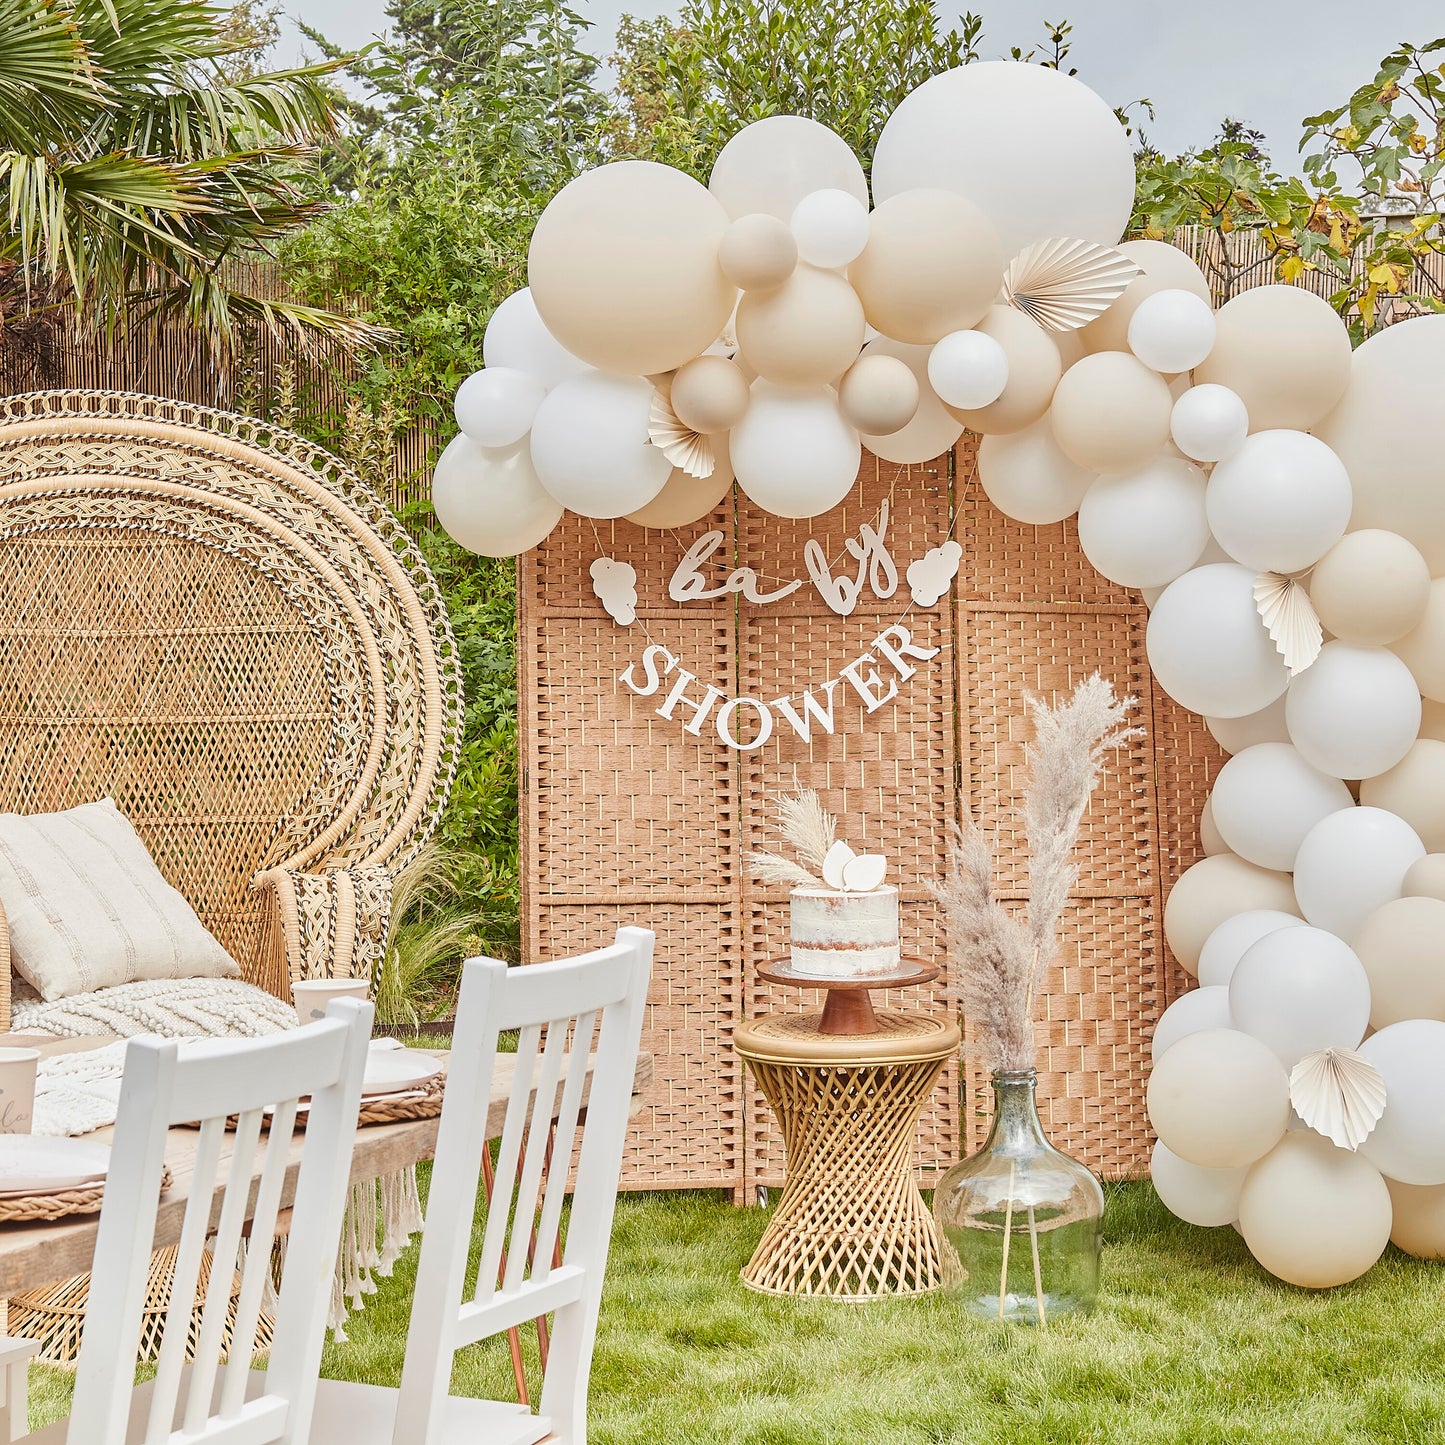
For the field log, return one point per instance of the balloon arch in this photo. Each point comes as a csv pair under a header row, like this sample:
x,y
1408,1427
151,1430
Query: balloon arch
x,y
1276,497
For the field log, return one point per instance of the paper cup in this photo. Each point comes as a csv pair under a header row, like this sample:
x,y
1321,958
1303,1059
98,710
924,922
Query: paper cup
x,y
313,994
17,1089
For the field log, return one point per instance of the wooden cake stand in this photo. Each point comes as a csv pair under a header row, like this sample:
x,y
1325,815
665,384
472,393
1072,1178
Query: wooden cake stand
x,y
849,1009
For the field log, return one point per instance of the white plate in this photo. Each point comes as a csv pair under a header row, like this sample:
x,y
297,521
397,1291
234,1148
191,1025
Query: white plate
x,y
392,1071
33,1163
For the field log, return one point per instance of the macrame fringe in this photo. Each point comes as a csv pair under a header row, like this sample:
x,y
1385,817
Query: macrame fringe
x,y
382,1215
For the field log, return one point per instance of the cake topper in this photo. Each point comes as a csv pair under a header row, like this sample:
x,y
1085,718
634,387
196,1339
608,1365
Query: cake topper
x,y
812,834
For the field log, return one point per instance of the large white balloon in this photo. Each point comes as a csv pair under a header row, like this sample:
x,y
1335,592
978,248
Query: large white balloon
x,y
1209,423
1208,648
590,445
1349,864
1172,331
1234,937
1267,798
772,164
491,502
1234,734
1039,151
792,453
1299,990
495,406
1354,712
1280,502
933,430
1205,1197
1190,1013
1408,1144
517,337
1148,527
830,227
1027,477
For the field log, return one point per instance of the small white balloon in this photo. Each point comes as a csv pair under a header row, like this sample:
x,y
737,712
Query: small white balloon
x,y
1267,798
1147,527
1408,1144
1352,863
968,369
495,406
1354,712
1209,422
491,502
1172,331
517,337
792,453
1200,1008
1234,734
1234,937
1208,1198
830,227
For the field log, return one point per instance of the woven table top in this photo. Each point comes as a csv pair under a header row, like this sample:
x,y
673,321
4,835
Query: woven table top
x,y
900,1038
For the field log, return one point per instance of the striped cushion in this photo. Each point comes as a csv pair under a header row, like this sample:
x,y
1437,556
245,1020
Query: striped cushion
x,y
87,906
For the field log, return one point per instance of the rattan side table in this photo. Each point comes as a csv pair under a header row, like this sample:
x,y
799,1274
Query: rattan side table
x,y
851,1224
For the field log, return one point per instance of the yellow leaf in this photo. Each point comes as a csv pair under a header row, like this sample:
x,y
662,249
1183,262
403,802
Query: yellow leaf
x,y
1390,92
1379,275
1291,269
1418,143
1367,307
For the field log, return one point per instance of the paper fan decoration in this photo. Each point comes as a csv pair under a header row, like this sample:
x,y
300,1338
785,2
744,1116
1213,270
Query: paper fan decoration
x,y
1290,617
1339,1094
1064,284
689,450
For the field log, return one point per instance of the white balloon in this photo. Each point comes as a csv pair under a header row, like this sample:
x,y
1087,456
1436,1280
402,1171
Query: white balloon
x,y
1280,502
1036,149
1300,990
830,227
518,338
1208,648
773,163
1267,798
933,429
590,445
495,406
1234,734
1209,423
1408,1144
1234,937
1355,711
1172,331
1200,1008
491,502
1350,864
968,369
1148,527
792,453
1208,1198
1027,477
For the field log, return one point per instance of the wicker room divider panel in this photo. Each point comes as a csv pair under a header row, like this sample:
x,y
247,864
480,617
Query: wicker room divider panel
x,y
627,818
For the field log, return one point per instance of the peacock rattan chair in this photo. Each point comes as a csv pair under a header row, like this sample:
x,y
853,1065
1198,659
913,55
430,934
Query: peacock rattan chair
x,y
216,624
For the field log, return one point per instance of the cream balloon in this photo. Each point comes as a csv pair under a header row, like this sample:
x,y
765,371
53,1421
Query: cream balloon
x,y
590,445
1208,423
967,369
793,453
1402,946
1418,1226
685,499
932,265
1209,836
1036,149
879,394
1414,789
1208,648
1147,527
1350,864
491,502
1432,719
1213,890
1354,712
1371,587
1172,331
932,430
1423,647
1110,413
710,394
1165,268
757,252
1408,1143
624,268
1425,877
1208,1198
1268,797
772,164
1395,468
1190,1013
1312,1214
1286,353
1234,734
495,406
517,338
1034,368
807,332
1234,937
830,227
1219,1099
1027,477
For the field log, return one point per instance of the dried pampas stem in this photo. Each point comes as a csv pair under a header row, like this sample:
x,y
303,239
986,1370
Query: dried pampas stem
x,y
806,827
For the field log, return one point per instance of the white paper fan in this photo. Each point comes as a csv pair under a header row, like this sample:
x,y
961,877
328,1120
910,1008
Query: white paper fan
x,y
1287,612
690,450
1065,284
1338,1093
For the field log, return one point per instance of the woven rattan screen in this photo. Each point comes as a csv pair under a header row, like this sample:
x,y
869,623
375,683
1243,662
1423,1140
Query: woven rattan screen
x,y
627,818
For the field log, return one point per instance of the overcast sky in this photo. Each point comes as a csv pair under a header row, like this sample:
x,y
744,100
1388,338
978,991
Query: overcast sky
x,y
1267,63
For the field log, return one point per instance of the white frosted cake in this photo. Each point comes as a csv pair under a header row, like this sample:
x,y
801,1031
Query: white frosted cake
x,y
845,935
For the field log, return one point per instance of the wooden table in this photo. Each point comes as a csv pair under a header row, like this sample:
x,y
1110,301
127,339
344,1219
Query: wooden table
x,y
35,1255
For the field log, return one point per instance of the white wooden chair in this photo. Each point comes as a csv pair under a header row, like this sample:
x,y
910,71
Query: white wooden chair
x,y
207,1403
564,1011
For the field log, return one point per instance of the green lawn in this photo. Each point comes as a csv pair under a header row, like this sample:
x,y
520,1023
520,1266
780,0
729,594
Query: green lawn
x,y
1192,1343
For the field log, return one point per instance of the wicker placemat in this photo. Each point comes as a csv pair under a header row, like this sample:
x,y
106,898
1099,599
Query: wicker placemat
x,y
422,1103
34,1208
